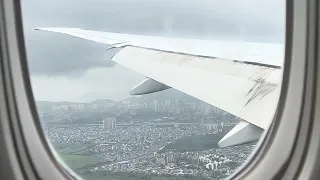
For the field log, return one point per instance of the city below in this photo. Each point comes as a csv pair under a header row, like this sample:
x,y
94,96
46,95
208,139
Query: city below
x,y
160,135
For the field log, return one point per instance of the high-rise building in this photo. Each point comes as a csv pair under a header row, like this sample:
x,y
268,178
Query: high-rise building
x,y
109,123
228,127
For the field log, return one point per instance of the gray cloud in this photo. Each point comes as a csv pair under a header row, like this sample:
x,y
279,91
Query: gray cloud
x,y
54,54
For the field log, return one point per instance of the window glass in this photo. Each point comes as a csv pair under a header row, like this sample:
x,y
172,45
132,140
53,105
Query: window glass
x,y
221,58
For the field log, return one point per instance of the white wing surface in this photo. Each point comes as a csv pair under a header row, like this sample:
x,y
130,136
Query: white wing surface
x,y
242,78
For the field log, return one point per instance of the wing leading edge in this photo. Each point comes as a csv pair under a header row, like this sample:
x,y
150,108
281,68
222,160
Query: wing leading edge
x,y
244,82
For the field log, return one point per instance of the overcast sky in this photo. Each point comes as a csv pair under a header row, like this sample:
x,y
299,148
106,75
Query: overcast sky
x,y
65,68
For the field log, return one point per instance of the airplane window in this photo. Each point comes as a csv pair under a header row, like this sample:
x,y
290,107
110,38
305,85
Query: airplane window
x,y
163,89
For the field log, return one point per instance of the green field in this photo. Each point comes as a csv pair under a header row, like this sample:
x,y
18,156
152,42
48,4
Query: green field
x,y
75,149
195,143
79,161
76,156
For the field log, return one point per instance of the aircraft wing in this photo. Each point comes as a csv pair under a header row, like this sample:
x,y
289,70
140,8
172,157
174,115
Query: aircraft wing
x,y
242,78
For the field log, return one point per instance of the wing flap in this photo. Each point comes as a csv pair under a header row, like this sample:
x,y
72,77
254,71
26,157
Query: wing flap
x,y
244,90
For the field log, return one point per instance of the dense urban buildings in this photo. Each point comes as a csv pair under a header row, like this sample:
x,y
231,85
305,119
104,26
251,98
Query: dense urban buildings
x,y
155,137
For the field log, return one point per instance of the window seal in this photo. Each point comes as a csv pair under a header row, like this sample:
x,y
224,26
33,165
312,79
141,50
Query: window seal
x,y
39,162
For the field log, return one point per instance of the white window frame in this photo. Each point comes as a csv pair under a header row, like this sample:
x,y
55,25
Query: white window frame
x,y
295,130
